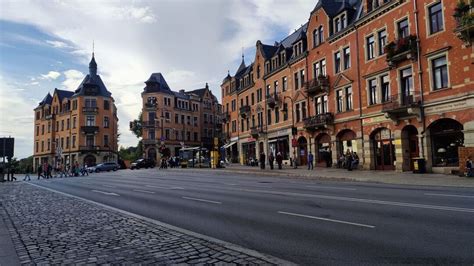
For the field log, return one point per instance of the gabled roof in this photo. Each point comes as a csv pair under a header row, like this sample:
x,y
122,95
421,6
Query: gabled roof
x,y
290,39
63,94
48,99
334,7
268,50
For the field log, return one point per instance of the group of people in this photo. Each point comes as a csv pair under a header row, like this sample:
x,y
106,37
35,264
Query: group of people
x,y
350,160
271,160
171,162
46,170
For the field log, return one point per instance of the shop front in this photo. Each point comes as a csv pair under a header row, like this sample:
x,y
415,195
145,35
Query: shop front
x,y
323,156
302,151
249,152
346,141
280,145
445,136
384,149
231,152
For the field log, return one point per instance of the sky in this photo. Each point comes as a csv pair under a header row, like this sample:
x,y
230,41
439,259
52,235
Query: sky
x,y
48,44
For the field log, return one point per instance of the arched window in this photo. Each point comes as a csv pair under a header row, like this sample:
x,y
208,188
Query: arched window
x,y
315,38
321,34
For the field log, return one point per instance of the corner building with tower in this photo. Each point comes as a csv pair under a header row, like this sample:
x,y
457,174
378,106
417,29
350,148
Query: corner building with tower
x,y
392,80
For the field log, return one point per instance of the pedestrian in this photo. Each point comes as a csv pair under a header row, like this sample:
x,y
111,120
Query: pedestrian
x,y
262,160
355,161
279,160
310,161
469,166
12,171
77,169
27,174
271,159
349,160
49,170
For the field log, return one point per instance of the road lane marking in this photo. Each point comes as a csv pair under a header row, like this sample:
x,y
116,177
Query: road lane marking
x,y
109,186
203,200
370,201
144,191
449,195
326,219
156,187
341,188
106,193
230,184
180,188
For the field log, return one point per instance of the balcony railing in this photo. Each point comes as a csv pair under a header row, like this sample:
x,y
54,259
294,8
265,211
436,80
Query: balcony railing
x,y
225,117
90,129
244,111
50,116
401,49
399,103
89,148
149,124
273,99
317,85
318,121
93,110
464,15
254,131
149,141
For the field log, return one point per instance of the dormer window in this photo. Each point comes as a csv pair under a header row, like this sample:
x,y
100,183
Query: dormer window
x,y
337,25
315,37
343,21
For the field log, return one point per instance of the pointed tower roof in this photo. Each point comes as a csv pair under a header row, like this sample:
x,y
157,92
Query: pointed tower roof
x,y
242,66
157,83
93,66
92,83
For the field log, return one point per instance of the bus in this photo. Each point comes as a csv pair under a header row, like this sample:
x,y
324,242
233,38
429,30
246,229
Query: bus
x,y
194,157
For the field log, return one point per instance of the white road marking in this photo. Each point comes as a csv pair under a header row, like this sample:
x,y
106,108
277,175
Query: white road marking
x,y
203,200
449,195
177,188
230,184
144,191
156,187
106,193
341,188
109,186
370,201
326,219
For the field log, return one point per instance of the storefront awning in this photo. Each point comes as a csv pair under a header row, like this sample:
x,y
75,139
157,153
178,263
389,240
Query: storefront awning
x,y
229,144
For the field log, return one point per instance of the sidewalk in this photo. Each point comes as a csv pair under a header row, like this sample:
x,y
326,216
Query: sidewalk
x,y
388,177
51,228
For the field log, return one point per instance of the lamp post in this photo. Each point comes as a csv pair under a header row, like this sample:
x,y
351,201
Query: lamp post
x,y
293,132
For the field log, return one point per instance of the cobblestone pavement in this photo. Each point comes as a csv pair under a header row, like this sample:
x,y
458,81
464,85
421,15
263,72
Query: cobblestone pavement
x,y
52,228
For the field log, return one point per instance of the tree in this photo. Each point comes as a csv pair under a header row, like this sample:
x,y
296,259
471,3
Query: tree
x,y
136,126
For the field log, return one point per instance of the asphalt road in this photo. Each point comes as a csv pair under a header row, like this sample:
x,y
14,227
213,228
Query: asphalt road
x,y
303,221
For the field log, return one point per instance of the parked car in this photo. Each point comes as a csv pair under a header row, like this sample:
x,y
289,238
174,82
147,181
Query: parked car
x,y
91,169
142,163
107,167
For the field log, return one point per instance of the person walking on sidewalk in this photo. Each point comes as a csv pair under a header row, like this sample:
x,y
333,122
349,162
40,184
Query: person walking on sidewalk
x,y
469,166
279,160
27,174
310,161
349,160
262,160
271,159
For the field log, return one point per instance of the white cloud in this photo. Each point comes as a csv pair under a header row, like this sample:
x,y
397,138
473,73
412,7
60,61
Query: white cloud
x,y
51,75
190,42
58,44
72,79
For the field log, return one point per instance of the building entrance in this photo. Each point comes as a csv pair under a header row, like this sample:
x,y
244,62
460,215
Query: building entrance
x,y
384,149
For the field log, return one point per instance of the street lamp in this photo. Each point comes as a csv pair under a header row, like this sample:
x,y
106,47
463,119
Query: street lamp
x,y
293,129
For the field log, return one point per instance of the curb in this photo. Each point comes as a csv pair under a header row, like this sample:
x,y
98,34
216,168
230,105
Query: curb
x,y
253,253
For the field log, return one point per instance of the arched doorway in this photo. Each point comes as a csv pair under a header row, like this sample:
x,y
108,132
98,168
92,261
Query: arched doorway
x,y
346,141
90,160
323,150
410,147
152,154
384,149
303,150
446,136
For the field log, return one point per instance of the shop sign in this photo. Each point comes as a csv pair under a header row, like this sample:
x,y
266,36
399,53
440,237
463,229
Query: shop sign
x,y
372,120
251,140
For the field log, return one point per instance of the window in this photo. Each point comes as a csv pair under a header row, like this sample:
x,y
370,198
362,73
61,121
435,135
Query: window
x,y
315,38
372,91
57,126
339,101
436,18
343,21
49,127
37,130
167,115
348,97
74,122
90,120
73,141
285,113
298,118
49,145
406,85
275,84
90,103
268,91
296,81
258,72
337,62
196,136
302,76
321,34
62,143
382,36
42,128
319,105
106,105
37,115
323,67
385,87
370,47
74,105
259,95
303,110
347,57
325,104
269,117
252,98
403,30
188,135
440,73
37,145
195,121
337,24
42,146
106,121
106,140
62,125
284,82
277,115
151,134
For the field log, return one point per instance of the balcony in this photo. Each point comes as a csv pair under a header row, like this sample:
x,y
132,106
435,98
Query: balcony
x,y
244,111
401,50
318,121
149,124
149,106
90,110
225,117
464,15
402,105
89,148
50,116
273,99
90,129
317,85
254,131
149,141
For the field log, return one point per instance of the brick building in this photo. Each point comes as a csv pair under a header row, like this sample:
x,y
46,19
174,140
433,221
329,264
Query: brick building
x,y
389,80
77,126
175,119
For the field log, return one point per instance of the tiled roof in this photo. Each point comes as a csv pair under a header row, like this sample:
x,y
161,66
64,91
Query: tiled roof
x,y
157,83
48,99
63,94
92,80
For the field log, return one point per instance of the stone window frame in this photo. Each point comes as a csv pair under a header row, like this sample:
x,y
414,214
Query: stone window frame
x,y
430,59
427,18
378,78
319,61
395,26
